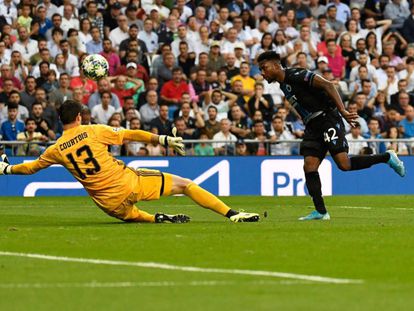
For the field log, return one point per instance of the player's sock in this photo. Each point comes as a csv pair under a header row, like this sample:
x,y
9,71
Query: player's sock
x,y
365,161
206,199
313,183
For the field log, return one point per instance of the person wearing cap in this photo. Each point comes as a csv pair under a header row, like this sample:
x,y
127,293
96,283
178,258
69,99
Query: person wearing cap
x,y
216,61
110,17
321,65
239,53
230,42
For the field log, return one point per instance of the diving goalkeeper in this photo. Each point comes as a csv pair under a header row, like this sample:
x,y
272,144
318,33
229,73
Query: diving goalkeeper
x,y
114,187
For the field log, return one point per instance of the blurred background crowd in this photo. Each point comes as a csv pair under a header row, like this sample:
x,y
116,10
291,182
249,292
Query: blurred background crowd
x,y
193,65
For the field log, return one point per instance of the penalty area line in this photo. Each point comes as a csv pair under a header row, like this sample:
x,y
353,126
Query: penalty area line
x,y
163,266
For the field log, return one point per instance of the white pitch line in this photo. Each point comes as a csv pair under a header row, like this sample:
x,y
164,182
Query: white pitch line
x,y
163,266
352,207
127,284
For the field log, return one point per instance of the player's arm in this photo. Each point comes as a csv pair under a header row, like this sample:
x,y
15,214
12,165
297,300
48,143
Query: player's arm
x,y
330,89
114,136
44,161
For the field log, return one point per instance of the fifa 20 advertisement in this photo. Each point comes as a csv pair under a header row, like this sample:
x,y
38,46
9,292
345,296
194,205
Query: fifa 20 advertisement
x,y
224,176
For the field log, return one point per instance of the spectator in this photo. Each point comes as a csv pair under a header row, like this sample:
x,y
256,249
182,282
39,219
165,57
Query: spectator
x,y
172,90
397,12
220,100
162,123
95,98
6,73
18,67
151,86
132,37
71,61
335,62
28,92
407,74
49,112
333,22
95,45
69,21
399,147
353,107
149,37
203,148
110,18
62,93
44,56
374,133
26,46
226,138
247,81
182,37
102,113
9,11
238,122
402,103
11,127
150,110
112,58
94,16
133,148
406,126
14,98
212,125
278,134
84,31
86,116
186,60
168,31
165,70
355,148
262,102
408,26
30,135
120,89
258,133
128,104
129,114
402,87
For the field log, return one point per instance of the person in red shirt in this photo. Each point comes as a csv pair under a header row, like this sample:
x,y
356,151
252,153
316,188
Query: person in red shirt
x,y
335,62
172,90
88,86
120,89
112,58
141,72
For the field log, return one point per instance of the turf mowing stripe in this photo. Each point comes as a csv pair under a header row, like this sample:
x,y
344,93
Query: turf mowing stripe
x,y
142,284
162,266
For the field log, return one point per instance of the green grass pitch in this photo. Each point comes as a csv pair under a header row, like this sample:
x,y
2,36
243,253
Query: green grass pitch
x,y
370,239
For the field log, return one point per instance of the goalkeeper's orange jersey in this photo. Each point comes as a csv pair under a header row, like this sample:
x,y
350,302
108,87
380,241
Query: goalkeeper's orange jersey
x,y
83,150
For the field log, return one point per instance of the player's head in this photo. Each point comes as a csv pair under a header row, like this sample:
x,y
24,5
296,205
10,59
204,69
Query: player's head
x,y
269,64
70,112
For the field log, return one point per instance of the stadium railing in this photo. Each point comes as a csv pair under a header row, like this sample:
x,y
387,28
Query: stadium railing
x,y
229,148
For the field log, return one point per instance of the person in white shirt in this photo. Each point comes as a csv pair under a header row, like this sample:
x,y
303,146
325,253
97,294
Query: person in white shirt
x,y
149,36
71,61
390,86
162,9
102,113
356,147
230,43
68,19
26,46
227,147
120,33
223,101
9,11
184,10
278,134
223,17
182,36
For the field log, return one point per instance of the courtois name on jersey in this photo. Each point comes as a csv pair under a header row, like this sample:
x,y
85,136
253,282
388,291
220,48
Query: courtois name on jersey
x,y
307,100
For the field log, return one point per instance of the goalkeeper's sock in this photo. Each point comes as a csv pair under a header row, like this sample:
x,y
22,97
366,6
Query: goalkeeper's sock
x,y
313,183
365,161
206,199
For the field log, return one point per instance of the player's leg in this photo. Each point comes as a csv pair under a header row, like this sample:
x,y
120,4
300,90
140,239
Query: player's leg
x,y
346,163
204,198
314,185
314,150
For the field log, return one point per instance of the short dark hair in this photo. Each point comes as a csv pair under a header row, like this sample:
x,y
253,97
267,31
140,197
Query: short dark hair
x,y
28,120
268,55
12,106
69,110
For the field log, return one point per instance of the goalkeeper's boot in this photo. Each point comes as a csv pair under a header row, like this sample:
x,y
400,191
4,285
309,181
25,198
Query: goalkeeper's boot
x,y
315,215
395,163
172,219
245,217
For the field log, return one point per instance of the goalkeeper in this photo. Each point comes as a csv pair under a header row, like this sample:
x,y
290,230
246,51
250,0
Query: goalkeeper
x,y
115,188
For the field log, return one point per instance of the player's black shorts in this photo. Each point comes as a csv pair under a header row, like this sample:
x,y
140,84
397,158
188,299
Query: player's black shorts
x,y
324,133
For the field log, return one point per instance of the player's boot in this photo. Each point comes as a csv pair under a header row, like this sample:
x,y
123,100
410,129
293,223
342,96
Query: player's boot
x,y
245,217
395,163
176,219
315,215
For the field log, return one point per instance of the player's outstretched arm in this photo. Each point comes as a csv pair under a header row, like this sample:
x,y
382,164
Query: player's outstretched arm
x,y
331,90
164,140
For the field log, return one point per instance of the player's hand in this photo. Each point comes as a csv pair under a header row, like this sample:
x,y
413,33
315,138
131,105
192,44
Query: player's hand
x,y
5,167
350,117
173,141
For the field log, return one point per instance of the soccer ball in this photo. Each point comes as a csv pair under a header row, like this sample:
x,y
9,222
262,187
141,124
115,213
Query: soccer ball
x,y
95,67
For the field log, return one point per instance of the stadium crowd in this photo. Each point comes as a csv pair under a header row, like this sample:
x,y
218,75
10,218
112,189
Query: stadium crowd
x,y
193,65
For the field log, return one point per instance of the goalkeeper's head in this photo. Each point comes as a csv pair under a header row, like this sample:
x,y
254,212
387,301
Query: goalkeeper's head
x,y
70,112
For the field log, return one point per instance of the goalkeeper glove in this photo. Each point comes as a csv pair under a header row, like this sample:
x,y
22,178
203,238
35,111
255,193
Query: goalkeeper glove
x,y
5,167
173,141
